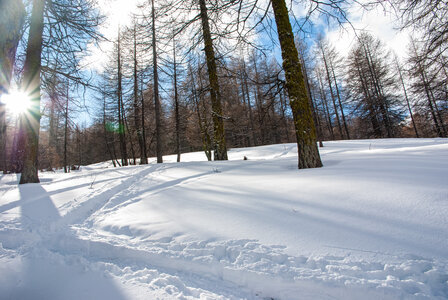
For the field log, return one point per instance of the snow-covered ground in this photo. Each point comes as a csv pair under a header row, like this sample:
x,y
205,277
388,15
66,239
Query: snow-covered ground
x,y
371,224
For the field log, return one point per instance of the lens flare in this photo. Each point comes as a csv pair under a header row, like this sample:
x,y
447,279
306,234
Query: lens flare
x,y
16,102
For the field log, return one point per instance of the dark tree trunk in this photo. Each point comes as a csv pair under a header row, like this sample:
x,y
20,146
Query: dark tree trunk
x,y
332,94
326,110
137,112
430,103
406,98
249,105
303,119
369,101
379,93
157,107
313,108
113,158
121,124
176,105
219,139
66,168
203,125
31,84
344,121
145,154
11,24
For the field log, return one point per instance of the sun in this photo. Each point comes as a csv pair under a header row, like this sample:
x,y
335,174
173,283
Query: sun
x,y
16,102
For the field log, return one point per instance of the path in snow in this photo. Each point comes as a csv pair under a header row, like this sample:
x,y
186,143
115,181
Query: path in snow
x,y
371,224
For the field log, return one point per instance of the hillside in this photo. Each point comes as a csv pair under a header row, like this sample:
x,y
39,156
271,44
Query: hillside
x,y
371,224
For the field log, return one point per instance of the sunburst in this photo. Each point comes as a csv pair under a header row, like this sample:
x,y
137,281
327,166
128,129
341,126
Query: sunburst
x,y
17,102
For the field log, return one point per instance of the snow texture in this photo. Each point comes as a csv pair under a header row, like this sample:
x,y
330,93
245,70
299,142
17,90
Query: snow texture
x,y
371,224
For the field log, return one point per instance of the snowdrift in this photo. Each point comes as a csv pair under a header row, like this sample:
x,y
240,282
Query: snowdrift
x,y
371,224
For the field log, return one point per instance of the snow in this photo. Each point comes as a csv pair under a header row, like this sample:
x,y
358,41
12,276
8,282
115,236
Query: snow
x,y
371,224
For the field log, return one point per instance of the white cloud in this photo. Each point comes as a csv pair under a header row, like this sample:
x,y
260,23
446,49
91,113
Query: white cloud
x,y
118,13
378,22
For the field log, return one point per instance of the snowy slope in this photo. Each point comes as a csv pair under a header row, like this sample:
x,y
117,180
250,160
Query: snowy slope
x,y
371,224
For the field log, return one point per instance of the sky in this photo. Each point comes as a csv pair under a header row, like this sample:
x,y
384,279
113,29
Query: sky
x,y
377,21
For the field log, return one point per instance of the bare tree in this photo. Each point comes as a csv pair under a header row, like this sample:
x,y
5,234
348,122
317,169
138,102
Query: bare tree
x,y
11,24
303,119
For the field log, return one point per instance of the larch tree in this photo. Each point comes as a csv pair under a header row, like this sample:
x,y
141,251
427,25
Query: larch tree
x,y
219,139
12,13
31,84
157,107
300,105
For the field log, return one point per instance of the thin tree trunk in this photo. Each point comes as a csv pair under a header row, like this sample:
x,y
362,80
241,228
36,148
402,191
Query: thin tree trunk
x,y
144,153
79,146
303,120
176,104
344,121
52,127
259,103
137,121
219,138
332,94
430,104
313,109
372,113
157,107
105,134
121,124
246,108
249,105
66,170
316,118
283,97
380,95
31,82
406,98
131,142
326,110
436,108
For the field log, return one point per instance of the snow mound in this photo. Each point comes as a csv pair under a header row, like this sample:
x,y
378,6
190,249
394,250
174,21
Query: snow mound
x,y
371,224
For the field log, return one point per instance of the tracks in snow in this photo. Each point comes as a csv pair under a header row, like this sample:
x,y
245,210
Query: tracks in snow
x,y
243,264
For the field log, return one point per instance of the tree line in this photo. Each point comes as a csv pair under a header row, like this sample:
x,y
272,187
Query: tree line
x,y
201,81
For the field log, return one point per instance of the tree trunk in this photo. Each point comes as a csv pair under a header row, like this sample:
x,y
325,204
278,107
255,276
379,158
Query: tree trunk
x,y
379,92
31,82
144,153
11,23
303,119
203,126
332,94
66,170
219,138
325,104
249,105
113,158
371,109
344,121
137,112
313,108
157,107
121,124
176,104
406,98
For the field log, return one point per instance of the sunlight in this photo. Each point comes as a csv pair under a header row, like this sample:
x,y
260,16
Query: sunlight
x,y
17,102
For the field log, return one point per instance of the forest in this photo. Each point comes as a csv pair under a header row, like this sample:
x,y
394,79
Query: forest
x,y
183,76
223,149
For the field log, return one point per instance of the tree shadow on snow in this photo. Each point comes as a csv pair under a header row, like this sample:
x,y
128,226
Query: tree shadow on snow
x,y
47,273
